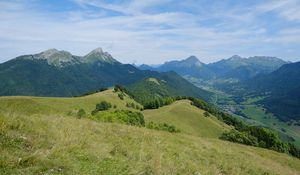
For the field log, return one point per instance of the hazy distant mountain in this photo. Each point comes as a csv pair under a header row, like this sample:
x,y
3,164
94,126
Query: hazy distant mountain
x,y
146,67
245,68
59,73
234,67
190,66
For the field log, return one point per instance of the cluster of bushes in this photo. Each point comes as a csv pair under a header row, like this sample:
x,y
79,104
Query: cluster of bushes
x,y
261,137
81,113
121,96
131,118
157,103
92,92
119,88
162,127
134,106
102,106
121,116
239,137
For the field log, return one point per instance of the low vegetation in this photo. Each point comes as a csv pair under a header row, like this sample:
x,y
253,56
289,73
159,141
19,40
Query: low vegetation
x,y
81,113
92,92
102,106
120,116
162,127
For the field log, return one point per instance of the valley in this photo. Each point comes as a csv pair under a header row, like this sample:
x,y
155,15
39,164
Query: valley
x,y
242,86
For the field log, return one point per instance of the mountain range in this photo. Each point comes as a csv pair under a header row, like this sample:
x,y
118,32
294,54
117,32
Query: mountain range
x,y
59,73
234,67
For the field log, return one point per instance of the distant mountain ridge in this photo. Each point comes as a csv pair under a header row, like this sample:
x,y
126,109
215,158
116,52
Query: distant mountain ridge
x,y
59,73
233,67
190,66
64,58
244,68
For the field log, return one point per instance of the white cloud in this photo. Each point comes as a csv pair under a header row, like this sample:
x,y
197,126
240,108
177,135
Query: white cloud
x,y
138,35
288,9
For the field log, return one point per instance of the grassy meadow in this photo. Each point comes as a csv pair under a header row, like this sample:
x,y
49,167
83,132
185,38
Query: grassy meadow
x,y
40,135
189,119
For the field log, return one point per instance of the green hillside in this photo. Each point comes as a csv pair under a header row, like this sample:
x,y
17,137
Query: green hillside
x,y
61,106
41,135
187,118
167,84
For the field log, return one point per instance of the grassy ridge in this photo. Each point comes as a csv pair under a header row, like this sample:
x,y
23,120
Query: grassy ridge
x,y
187,118
62,106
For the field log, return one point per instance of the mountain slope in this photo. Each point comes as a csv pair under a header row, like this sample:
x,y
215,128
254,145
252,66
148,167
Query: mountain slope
x,y
58,73
37,77
36,141
164,85
282,88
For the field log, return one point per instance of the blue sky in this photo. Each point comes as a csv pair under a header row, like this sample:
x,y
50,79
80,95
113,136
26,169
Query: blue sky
x,y
152,31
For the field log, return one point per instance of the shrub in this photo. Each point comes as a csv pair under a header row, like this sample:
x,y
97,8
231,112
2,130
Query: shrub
x,y
119,88
81,113
162,127
121,116
121,96
240,137
293,150
133,105
157,103
268,138
102,106
206,114
92,92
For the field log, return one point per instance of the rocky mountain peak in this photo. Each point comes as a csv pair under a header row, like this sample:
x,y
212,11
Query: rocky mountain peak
x,y
235,57
192,61
97,55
